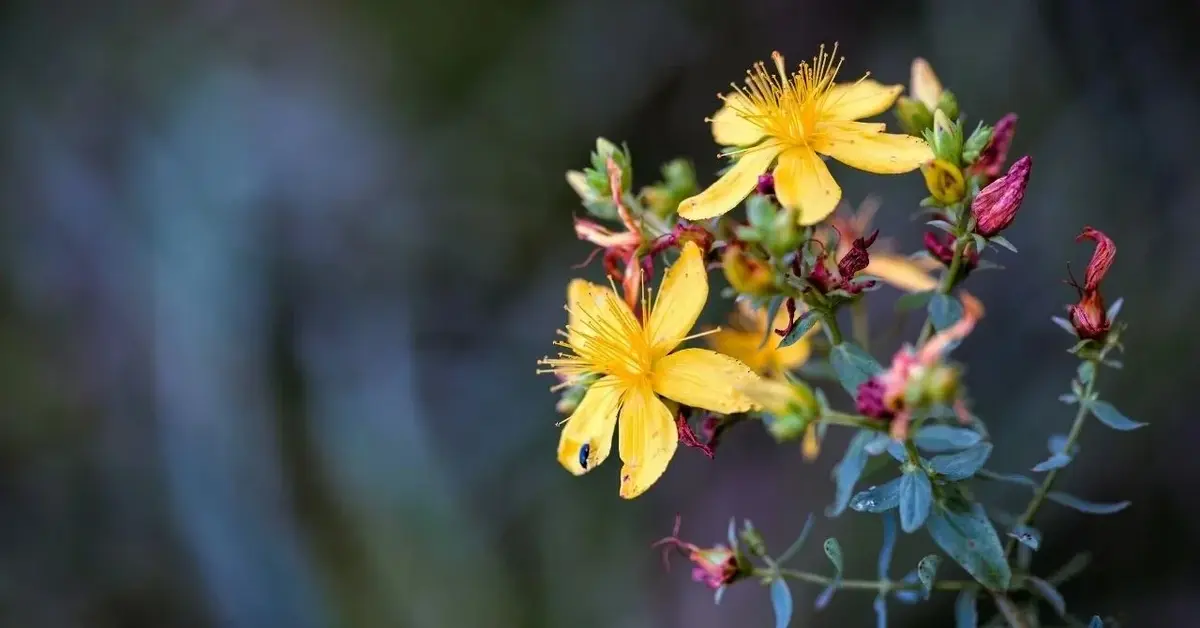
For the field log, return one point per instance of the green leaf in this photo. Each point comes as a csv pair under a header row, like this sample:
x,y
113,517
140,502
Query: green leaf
x,y
760,211
1069,399
806,322
965,613
853,366
1087,370
602,208
880,606
1027,536
1064,324
732,532
944,311
941,224
926,571
718,594
1112,417
797,544
1114,309
847,472
1002,241
781,601
889,544
1047,592
942,438
1055,461
969,538
748,234
961,465
913,300
833,550
1082,505
878,498
773,306
1011,478
916,499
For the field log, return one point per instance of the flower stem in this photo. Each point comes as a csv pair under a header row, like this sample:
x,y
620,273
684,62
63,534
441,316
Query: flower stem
x,y
854,420
947,282
860,324
1076,428
829,322
869,585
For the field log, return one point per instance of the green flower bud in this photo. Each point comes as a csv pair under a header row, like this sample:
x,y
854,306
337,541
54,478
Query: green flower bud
x,y
947,138
976,143
784,234
948,104
787,427
942,384
913,115
598,177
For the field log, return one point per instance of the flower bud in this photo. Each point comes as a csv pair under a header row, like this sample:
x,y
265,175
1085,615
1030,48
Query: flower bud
x,y
744,273
579,182
990,161
949,104
1089,318
944,181
914,117
786,427
766,184
680,176
924,84
606,150
941,384
996,205
869,400
947,138
784,234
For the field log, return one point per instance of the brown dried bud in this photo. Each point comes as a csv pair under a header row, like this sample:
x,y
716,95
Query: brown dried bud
x,y
1102,258
1089,318
996,205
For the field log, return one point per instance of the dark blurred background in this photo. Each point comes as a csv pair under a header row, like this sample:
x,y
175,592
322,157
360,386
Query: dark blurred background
x,y
274,275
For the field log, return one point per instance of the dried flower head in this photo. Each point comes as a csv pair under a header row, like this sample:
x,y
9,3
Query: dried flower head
x,y
1088,315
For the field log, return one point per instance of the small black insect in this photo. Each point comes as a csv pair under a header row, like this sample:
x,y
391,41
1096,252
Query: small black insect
x,y
583,455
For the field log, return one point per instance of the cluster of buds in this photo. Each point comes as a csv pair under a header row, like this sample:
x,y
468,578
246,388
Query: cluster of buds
x,y
716,567
988,162
1089,318
828,277
919,377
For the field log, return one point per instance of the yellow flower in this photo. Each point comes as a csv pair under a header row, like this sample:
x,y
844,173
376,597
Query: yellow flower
x,y
769,360
793,120
637,363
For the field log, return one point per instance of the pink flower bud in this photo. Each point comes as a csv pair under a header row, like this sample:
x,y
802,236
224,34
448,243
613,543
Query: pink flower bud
x,y
766,184
991,160
1102,258
996,205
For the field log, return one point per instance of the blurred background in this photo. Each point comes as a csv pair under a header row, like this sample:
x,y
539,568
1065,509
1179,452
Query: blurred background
x,y
274,275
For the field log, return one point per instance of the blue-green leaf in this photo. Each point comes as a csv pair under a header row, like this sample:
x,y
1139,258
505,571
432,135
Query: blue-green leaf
x,y
1096,622
942,438
880,498
1055,461
1002,241
772,311
1085,373
781,601
916,498
961,465
847,472
889,544
1027,536
1063,323
969,538
732,532
879,444
1047,592
913,300
927,571
852,365
807,320
941,224
760,211
718,594
880,607
798,543
1112,417
1114,309
944,311
1068,398
1083,505
965,613
1011,478
833,550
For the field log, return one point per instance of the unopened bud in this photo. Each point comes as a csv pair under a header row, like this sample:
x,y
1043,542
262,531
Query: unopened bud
x,y
606,150
942,384
744,273
914,117
753,540
996,205
1089,318
944,181
680,176
766,184
784,234
990,160
786,427
924,84
949,104
947,138
579,182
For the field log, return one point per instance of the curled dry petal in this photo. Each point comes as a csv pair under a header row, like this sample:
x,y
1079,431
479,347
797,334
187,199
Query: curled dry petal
x,y
1102,258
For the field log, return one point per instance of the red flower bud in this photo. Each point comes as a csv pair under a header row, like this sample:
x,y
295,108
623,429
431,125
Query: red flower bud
x,y
996,205
1088,316
991,160
1102,258
869,400
766,184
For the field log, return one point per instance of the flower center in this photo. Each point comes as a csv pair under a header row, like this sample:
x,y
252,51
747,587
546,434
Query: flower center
x,y
604,339
787,107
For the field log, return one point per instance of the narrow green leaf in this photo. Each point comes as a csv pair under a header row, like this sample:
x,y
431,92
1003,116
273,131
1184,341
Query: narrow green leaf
x,y
961,465
1069,399
1002,241
969,538
773,306
941,224
889,544
833,550
797,544
916,499
1112,417
718,594
1114,309
760,211
943,438
1011,478
847,472
1082,505
1055,461
965,613
807,320
880,606
1047,592
1063,323
781,601
1096,622
852,365
944,311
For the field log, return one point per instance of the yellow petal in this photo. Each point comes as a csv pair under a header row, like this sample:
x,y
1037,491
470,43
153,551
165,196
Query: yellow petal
x,y
866,98
865,149
592,424
901,272
733,186
594,310
771,394
802,181
812,443
729,125
925,84
647,441
703,379
794,355
680,298
742,346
